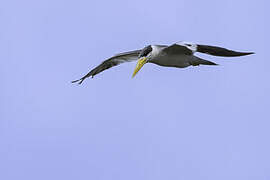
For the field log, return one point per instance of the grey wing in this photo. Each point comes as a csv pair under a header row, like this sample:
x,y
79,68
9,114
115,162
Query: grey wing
x,y
177,49
219,51
190,48
113,61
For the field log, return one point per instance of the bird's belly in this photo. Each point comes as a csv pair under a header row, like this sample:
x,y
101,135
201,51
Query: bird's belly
x,y
180,61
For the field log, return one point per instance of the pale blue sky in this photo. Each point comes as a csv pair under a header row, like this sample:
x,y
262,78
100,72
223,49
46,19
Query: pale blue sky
x,y
198,123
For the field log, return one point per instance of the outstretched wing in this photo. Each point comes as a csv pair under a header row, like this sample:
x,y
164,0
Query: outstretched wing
x,y
190,48
219,51
113,61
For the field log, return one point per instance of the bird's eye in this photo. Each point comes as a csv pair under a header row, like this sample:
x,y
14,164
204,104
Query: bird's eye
x,y
188,44
146,51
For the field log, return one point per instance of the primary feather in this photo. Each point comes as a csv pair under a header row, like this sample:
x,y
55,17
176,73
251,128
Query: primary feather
x,y
113,61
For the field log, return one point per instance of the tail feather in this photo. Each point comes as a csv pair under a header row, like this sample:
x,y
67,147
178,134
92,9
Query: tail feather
x,y
196,61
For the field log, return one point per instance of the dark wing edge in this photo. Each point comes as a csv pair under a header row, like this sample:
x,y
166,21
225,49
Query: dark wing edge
x,y
113,61
219,51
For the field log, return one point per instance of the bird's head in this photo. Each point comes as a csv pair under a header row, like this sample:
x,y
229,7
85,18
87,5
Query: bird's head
x,y
144,57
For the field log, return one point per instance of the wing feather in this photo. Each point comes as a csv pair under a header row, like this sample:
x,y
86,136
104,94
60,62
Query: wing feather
x,y
190,48
219,51
178,48
113,61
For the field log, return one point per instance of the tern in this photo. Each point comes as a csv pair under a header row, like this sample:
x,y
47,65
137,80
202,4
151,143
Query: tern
x,y
178,55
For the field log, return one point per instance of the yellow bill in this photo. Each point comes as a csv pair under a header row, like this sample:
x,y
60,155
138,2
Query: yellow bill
x,y
139,65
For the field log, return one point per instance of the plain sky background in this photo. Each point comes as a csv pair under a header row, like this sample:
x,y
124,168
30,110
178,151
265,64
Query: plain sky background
x,y
197,123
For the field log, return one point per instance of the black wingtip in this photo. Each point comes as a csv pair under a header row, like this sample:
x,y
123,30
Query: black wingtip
x,y
241,53
79,81
74,81
249,53
82,79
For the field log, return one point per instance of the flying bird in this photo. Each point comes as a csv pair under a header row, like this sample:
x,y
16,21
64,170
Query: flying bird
x,y
178,55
